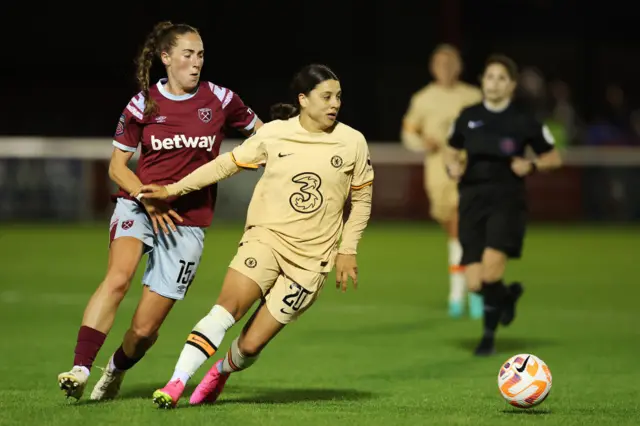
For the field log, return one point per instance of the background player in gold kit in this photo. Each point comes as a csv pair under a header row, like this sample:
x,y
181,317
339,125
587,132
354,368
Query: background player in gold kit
x,y
424,129
294,224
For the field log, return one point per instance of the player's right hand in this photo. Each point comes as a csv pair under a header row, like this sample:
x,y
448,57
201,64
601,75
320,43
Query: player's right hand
x,y
431,145
455,171
346,267
161,215
521,166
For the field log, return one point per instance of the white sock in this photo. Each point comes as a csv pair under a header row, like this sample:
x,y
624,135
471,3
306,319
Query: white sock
x,y
203,342
236,360
111,367
84,369
457,282
181,375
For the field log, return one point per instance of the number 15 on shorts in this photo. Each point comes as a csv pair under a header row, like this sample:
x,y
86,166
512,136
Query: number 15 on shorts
x,y
186,275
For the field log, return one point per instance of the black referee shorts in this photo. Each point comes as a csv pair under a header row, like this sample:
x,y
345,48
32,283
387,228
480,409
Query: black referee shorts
x,y
491,216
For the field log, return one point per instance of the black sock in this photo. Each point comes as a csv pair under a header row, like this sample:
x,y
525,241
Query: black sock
x,y
493,294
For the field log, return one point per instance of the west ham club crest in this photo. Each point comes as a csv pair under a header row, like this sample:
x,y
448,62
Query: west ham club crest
x,y
204,114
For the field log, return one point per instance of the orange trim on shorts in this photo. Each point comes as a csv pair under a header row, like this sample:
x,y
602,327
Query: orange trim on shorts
x,y
362,186
201,343
243,165
454,269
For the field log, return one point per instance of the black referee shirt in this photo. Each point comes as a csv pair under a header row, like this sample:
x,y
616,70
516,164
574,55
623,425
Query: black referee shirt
x,y
491,139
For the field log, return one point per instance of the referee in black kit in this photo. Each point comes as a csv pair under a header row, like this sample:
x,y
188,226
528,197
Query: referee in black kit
x,y
494,135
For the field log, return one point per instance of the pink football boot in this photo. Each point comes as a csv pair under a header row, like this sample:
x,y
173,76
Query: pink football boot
x,y
210,387
168,396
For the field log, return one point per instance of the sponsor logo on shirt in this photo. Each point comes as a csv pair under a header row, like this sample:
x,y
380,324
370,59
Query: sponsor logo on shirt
x,y
182,141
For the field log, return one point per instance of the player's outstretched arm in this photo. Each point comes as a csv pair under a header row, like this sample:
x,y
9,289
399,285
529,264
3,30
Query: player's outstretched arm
x,y
249,155
346,265
205,175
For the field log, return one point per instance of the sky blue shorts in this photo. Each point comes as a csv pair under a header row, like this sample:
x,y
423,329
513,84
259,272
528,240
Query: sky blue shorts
x,y
173,258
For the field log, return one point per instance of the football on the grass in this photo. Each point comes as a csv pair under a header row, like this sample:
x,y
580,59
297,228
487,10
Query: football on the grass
x,y
524,380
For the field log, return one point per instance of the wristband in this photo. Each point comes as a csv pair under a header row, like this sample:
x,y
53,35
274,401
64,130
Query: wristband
x,y
534,168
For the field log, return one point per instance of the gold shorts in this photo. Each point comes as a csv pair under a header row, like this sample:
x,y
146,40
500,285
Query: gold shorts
x,y
288,290
443,201
441,190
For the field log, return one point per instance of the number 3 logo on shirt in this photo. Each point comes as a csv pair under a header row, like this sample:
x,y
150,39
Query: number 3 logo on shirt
x,y
309,199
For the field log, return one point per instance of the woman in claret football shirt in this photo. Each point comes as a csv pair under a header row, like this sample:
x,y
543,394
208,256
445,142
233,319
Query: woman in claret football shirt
x,y
179,125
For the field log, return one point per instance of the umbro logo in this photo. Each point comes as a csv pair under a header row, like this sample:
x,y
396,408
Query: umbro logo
x,y
284,155
475,124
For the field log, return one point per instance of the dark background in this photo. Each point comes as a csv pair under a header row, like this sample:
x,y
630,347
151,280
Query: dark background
x,y
68,67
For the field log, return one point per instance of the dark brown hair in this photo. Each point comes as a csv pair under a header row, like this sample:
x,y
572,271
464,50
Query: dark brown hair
x,y
508,63
161,39
303,82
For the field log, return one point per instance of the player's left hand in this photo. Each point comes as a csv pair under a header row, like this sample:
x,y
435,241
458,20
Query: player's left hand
x,y
346,266
158,192
521,167
161,214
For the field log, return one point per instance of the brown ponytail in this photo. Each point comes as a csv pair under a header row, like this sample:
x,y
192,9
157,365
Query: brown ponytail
x,y
162,38
282,111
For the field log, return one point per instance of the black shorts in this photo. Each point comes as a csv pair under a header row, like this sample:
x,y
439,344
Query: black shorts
x,y
491,216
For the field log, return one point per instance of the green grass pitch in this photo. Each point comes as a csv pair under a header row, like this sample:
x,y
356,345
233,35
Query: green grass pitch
x,y
386,354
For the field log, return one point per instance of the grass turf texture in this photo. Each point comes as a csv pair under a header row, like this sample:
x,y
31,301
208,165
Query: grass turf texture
x,y
385,354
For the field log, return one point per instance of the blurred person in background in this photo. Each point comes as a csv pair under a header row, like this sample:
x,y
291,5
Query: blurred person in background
x,y
494,136
563,120
616,111
612,124
431,112
179,124
532,93
613,190
635,127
